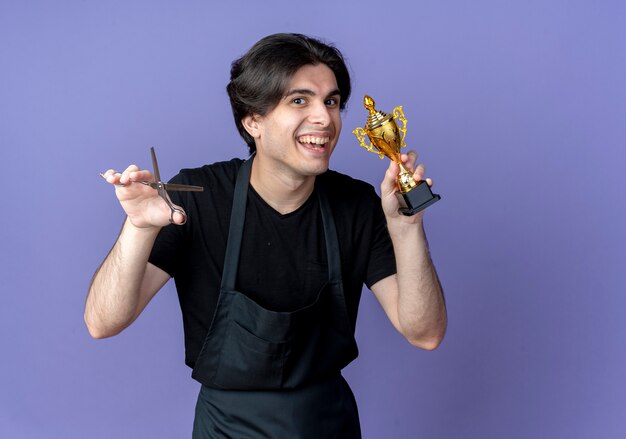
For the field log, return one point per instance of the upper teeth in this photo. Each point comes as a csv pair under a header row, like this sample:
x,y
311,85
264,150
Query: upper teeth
x,y
315,140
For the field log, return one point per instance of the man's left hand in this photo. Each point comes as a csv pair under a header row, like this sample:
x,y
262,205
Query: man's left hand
x,y
389,187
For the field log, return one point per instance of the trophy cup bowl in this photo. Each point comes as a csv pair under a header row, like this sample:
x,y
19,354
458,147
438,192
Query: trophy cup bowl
x,y
387,138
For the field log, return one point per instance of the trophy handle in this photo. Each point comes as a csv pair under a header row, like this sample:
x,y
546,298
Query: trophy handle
x,y
360,135
399,114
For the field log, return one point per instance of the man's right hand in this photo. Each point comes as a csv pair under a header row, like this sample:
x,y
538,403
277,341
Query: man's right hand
x,y
143,205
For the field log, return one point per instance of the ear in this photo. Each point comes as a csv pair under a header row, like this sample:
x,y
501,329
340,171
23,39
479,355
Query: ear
x,y
251,125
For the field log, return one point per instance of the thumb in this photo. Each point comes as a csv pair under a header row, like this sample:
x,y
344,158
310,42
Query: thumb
x,y
179,217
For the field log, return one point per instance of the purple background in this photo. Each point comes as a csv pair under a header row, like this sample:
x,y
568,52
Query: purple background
x,y
517,108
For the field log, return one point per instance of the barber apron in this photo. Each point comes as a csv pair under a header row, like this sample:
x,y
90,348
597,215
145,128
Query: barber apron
x,y
268,374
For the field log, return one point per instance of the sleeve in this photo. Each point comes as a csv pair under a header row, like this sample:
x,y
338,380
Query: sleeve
x,y
382,261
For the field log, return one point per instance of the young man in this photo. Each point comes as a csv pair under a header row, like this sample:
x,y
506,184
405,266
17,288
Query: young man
x,y
270,263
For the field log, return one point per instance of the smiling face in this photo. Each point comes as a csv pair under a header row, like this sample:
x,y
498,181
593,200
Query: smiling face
x,y
298,136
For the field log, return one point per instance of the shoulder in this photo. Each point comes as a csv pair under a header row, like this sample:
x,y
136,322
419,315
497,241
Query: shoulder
x,y
348,190
220,173
335,177
217,179
354,202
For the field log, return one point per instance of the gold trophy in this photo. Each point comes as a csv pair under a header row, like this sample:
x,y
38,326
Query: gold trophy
x,y
386,140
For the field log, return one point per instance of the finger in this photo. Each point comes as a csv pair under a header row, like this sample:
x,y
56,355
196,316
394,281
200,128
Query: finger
x,y
388,185
111,176
125,177
411,159
141,175
429,181
419,172
179,218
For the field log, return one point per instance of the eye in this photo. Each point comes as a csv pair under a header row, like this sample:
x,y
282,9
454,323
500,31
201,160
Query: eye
x,y
298,101
332,102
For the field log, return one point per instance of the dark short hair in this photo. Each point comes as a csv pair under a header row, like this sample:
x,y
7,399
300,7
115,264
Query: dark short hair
x,y
258,80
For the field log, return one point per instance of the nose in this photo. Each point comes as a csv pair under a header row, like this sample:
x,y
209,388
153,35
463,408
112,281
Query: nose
x,y
320,114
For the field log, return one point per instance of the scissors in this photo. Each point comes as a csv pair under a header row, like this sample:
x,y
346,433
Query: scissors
x,y
162,188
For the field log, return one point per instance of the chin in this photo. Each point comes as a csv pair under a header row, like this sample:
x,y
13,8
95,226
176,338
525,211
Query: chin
x,y
318,168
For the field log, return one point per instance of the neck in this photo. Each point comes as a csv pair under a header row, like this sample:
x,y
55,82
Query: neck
x,y
283,191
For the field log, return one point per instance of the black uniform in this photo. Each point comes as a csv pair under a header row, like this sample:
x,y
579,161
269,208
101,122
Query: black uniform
x,y
282,321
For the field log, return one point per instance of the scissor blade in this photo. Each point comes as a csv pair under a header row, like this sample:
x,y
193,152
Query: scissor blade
x,y
155,166
182,187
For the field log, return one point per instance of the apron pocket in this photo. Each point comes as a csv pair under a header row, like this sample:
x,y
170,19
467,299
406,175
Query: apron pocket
x,y
248,362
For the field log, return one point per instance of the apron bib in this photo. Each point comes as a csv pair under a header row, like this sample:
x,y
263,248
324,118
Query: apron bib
x,y
276,374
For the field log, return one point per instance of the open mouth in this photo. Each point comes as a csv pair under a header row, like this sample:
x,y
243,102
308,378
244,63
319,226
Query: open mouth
x,y
314,142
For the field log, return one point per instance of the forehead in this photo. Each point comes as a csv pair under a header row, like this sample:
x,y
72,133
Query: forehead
x,y
318,78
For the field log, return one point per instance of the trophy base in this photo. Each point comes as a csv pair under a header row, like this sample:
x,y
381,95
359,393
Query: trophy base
x,y
417,199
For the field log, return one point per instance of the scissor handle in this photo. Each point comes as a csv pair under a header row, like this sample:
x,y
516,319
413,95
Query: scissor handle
x,y
160,187
176,209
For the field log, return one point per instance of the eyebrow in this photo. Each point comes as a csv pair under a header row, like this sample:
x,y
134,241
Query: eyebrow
x,y
307,92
